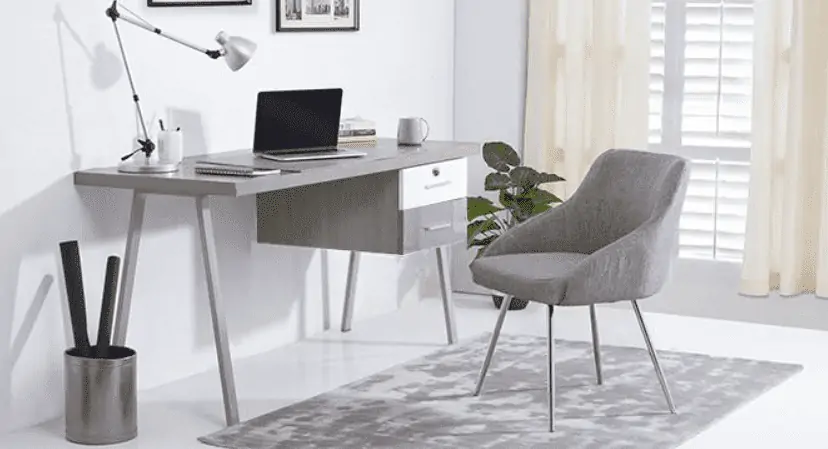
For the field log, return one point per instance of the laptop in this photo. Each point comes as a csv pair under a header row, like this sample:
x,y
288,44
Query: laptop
x,y
300,125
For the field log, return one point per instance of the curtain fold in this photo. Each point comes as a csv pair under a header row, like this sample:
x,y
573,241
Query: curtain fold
x,y
786,239
587,83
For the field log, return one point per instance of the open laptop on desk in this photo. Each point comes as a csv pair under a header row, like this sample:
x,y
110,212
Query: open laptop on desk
x,y
299,125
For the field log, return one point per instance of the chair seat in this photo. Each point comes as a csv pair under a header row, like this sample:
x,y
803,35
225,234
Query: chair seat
x,y
539,277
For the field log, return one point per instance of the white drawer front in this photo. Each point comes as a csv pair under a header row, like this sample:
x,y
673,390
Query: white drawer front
x,y
434,183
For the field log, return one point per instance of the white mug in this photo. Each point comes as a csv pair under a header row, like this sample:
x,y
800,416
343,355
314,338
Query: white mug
x,y
412,131
170,147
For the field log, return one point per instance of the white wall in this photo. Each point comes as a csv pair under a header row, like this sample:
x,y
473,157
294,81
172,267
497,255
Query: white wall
x,y
489,89
65,105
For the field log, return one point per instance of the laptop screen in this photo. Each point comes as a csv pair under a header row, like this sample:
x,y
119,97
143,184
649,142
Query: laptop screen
x,y
293,120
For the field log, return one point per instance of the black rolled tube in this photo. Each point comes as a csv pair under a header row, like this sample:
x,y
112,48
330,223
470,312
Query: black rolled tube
x,y
73,276
113,265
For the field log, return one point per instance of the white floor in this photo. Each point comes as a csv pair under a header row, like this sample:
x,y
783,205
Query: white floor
x,y
792,415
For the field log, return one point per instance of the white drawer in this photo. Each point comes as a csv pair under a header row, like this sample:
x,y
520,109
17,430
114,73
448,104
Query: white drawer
x,y
434,183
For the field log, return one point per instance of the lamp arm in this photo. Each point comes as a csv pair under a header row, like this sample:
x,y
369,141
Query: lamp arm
x,y
147,145
113,13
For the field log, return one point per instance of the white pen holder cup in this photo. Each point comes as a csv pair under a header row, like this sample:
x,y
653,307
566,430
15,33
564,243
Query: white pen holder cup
x,y
170,147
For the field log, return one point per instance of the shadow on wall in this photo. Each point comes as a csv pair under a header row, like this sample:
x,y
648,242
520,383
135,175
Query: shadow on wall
x,y
195,138
261,283
240,268
31,231
259,287
34,330
29,234
415,275
232,217
105,70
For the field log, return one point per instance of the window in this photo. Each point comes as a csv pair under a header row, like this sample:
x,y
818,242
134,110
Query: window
x,y
701,75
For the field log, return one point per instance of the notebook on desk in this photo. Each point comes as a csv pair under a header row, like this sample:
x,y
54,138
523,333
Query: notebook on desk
x,y
231,170
238,165
300,125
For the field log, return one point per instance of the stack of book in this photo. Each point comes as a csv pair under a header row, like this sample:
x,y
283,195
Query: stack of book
x,y
357,132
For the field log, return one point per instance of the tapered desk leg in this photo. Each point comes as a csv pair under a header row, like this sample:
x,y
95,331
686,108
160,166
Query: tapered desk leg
x,y
445,289
133,241
350,291
326,295
209,256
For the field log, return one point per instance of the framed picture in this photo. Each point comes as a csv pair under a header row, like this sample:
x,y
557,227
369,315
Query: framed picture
x,y
198,2
317,15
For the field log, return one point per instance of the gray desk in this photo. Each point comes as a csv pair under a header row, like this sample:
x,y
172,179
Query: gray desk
x,y
395,201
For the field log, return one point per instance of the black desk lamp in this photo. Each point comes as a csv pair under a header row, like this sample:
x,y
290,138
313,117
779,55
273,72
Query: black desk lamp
x,y
236,52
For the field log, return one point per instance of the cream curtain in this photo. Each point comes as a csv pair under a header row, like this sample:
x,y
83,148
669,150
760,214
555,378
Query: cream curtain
x,y
786,246
587,83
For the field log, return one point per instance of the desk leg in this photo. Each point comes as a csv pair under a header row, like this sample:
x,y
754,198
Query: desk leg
x,y
445,288
350,291
136,223
208,252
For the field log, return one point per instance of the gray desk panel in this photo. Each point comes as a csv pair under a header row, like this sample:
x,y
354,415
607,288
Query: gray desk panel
x,y
385,156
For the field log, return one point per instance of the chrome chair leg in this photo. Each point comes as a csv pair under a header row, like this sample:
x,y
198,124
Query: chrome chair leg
x,y
443,264
659,372
596,345
504,307
550,348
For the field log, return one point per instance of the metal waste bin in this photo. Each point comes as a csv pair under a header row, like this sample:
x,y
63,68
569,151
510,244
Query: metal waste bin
x,y
101,399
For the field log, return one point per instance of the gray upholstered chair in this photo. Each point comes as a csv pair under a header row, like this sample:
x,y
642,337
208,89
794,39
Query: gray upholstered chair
x,y
613,240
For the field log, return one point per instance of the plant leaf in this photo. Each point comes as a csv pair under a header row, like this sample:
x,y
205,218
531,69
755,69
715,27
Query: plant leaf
x,y
484,242
525,177
546,178
500,156
540,196
509,202
540,208
507,199
490,225
524,209
479,206
480,226
497,181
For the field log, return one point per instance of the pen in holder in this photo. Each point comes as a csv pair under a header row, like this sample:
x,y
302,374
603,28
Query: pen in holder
x,y
170,147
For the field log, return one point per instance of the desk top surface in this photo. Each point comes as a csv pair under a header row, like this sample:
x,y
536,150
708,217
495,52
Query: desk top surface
x,y
384,156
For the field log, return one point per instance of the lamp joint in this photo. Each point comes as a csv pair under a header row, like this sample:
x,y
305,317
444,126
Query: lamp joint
x,y
215,54
112,11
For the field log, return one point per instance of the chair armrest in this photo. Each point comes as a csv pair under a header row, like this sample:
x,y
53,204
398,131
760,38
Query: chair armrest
x,y
633,267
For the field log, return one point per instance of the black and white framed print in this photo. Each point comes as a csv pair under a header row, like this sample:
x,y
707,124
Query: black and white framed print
x,y
198,2
317,15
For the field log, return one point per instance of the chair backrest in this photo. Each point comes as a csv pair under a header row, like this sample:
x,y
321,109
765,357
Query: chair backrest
x,y
626,189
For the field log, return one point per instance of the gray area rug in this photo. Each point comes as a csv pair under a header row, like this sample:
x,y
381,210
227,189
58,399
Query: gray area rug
x,y
427,403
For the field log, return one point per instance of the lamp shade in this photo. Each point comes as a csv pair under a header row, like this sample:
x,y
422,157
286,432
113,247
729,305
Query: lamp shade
x,y
237,50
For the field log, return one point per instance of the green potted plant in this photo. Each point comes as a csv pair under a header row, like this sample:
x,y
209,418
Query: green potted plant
x,y
519,196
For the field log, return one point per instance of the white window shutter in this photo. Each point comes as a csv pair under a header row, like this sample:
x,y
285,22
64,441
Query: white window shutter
x,y
657,72
701,91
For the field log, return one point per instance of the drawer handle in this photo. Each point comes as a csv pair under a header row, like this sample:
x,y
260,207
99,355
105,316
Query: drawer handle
x,y
439,227
438,185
